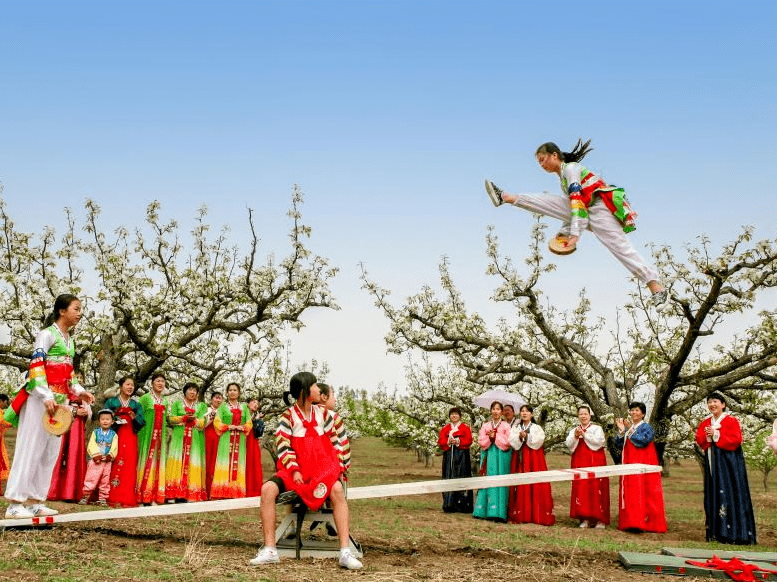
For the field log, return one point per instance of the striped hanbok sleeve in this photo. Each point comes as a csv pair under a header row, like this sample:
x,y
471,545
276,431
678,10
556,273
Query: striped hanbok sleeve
x,y
343,446
286,454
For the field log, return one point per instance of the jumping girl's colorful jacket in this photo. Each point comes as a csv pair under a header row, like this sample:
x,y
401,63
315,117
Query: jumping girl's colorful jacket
x,y
581,185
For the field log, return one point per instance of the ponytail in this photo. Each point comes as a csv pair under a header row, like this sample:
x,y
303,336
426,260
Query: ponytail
x,y
578,152
299,387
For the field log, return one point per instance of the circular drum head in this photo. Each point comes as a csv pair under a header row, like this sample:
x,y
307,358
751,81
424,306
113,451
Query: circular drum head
x,y
560,245
60,423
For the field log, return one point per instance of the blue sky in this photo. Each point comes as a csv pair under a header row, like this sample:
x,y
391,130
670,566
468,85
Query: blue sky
x,y
389,115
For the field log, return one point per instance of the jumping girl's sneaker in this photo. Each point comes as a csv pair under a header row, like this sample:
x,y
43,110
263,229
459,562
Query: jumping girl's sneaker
x,y
494,193
661,301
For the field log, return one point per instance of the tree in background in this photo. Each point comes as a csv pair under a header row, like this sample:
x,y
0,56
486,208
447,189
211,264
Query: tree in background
x,y
211,313
758,455
554,358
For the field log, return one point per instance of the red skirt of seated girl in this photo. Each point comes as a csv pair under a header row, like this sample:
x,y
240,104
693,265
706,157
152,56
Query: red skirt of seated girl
x,y
319,465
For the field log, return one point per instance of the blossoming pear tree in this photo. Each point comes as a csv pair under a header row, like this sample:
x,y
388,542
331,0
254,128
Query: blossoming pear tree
x,y
558,359
203,309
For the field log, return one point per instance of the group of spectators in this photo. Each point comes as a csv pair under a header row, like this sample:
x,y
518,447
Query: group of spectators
x,y
156,448
514,444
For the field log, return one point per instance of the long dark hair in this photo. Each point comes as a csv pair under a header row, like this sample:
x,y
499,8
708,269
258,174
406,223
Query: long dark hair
x,y
578,152
299,387
61,303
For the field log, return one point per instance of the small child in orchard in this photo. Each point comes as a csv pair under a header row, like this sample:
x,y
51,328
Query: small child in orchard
x,y
589,203
101,450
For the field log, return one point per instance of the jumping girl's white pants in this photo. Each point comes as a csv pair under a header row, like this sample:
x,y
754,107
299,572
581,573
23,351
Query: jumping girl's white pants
x,y
600,221
34,457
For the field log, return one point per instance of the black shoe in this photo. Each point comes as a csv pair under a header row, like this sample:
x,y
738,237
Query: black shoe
x,y
494,193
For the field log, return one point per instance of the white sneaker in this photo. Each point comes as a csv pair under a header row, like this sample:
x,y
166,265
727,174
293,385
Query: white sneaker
x,y
583,523
18,511
266,555
599,525
348,561
40,510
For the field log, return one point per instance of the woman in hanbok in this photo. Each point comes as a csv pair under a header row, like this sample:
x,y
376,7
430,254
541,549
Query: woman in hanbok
x,y
590,502
254,476
185,465
328,400
508,415
727,504
51,383
5,463
129,420
455,441
232,424
494,441
311,463
211,439
641,497
67,480
152,444
530,503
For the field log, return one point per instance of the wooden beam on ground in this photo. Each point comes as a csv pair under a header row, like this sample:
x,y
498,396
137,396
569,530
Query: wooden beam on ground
x,y
354,493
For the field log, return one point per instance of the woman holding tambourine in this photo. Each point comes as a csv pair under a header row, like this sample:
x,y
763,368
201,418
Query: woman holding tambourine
x,y
51,381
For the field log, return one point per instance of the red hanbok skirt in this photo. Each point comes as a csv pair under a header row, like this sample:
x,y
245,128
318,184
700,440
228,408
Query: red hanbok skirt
x,y
641,496
320,467
590,497
67,479
531,503
254,476
211,452
124,471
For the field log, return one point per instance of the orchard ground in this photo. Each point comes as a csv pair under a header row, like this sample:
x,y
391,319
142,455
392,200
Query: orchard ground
x,y
404,538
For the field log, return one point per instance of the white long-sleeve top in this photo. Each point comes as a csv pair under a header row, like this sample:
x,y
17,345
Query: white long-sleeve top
x,y
593,434
535,436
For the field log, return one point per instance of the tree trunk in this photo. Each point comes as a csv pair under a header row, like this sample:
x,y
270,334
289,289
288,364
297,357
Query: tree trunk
x,y
108,365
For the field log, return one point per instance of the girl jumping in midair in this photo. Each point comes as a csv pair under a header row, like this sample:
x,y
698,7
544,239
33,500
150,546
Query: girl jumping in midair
x,y
589,203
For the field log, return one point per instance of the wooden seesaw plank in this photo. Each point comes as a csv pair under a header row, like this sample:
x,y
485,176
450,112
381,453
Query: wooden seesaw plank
x,y
354,493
